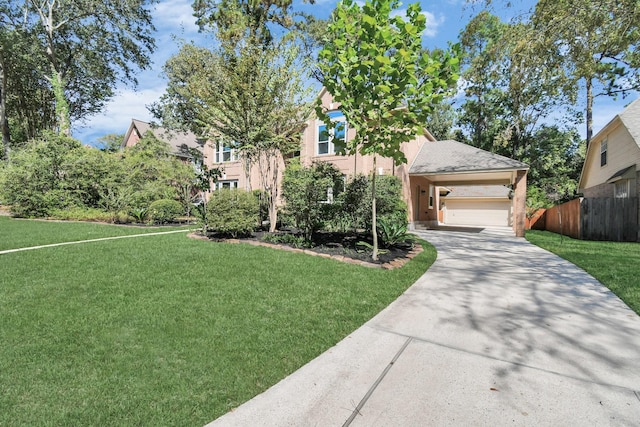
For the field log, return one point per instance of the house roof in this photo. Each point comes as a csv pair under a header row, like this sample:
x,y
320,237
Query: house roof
x,y
176,139
626,173
630,117
478,191
450,156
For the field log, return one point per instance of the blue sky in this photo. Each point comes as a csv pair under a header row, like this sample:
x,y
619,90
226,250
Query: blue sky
x,y
173,19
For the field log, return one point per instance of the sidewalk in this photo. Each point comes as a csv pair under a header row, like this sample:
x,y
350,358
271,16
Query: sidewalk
x,y
497,332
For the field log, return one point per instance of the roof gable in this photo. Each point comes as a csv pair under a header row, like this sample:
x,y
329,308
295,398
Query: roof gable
x,y
453,156
630,118
177,140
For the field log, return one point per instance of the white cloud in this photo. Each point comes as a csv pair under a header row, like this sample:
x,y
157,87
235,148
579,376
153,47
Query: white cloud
x,y
174,14
117,115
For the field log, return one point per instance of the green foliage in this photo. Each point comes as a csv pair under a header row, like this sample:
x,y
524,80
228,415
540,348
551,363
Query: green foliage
x,y
82,214
56,172
356,201
305,192
286,239
606,51
386,84
139,214
165,210
393,233
232,212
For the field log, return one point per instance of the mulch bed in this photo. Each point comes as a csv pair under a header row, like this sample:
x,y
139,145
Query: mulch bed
x,y
339,246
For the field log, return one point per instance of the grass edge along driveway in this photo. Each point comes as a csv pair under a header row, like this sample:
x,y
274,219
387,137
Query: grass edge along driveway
x,y
614,264
166,330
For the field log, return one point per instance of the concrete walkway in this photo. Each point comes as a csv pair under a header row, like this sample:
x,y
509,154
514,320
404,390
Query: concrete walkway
x,y
497,332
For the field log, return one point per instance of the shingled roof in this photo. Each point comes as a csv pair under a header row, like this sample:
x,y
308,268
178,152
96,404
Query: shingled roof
x,y
453,156
630,117
176,139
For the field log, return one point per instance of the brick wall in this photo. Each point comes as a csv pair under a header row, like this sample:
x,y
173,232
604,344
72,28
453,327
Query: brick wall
x,y
601,190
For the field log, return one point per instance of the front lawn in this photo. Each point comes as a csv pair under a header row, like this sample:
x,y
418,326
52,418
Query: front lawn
x,y
20,233
166,330
616,265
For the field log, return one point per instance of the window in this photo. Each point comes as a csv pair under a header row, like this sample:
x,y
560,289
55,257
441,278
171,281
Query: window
x,y
621,189
603,152
224,153
227,183
333,137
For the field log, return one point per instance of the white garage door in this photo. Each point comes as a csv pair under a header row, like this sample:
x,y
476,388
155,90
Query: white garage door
x,y
473,212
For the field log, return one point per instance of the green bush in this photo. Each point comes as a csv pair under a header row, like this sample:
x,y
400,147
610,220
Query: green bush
x,y
165,210
81,214
287,239
232,212
393,233
305,191
356,201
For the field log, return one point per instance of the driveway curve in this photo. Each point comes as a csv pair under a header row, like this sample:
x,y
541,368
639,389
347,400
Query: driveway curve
x,y
497,332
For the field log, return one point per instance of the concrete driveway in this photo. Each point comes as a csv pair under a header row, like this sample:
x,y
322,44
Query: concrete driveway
x,y
497,332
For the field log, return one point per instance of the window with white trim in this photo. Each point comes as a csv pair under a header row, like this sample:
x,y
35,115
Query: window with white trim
x,y
621,189
604,145
334,136
225,153
227,184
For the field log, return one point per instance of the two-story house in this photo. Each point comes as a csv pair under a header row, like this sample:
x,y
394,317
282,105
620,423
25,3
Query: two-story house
x,y
432,170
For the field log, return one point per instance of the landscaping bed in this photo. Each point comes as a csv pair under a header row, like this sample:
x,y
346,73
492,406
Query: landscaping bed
x,y
355,248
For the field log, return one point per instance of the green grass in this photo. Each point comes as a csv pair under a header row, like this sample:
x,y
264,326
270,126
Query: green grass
x,y
615,265
165,330
20,233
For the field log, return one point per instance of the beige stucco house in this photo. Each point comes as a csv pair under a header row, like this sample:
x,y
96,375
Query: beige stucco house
x,y
612,162
433,170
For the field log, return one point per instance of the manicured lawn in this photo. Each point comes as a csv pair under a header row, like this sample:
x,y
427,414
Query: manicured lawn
x,y
615,265
19,233
165,330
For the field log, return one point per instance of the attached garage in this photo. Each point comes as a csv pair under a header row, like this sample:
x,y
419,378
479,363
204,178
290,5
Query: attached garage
x,y
478,213
488,205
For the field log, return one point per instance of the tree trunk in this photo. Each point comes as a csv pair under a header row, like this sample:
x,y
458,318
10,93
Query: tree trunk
x,y
374,225
273,195
62,106
589,110
4,123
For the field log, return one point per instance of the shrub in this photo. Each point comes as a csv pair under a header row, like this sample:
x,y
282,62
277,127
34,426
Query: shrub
x,y
356,201
305,191
82,214
287,239
165,210
232,212
393,233
139,214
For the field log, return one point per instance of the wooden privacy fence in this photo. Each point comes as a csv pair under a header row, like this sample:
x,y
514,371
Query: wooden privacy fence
x,y
593,219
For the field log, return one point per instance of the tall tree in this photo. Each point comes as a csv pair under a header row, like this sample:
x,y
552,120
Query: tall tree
x,y
510,89
599,41
87,47
246,94
374,65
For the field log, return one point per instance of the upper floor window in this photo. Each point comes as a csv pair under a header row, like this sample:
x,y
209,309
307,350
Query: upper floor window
x,y
603,152
332,137
225,153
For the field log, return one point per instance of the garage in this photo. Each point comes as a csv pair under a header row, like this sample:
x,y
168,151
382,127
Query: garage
x,y
476,212
488,205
